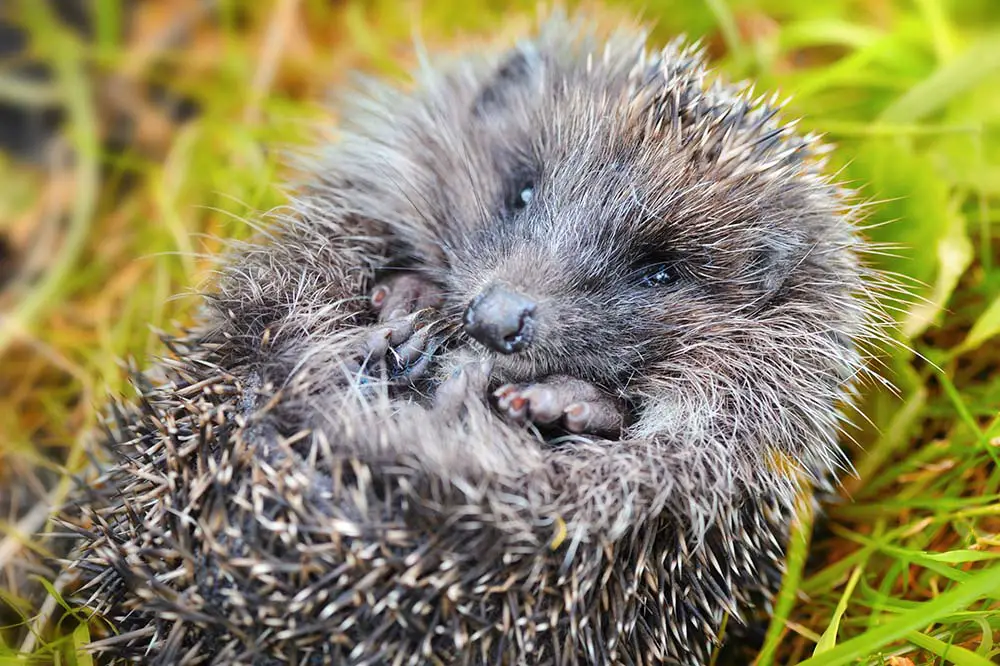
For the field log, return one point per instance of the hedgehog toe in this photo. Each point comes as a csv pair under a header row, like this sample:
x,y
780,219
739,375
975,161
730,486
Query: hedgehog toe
x,y
467,384
573,404
602,417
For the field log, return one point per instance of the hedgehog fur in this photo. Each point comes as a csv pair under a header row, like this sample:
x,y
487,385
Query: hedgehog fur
x,y
271,501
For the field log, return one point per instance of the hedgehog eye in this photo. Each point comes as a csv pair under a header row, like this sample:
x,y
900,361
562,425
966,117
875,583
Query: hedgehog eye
x,y
525,193
658,274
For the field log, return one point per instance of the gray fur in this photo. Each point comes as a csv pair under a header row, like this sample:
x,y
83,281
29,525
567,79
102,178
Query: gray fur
x,y
270,506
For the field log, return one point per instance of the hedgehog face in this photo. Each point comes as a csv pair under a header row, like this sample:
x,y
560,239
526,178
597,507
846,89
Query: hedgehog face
x,y
569,275
601,244
592,216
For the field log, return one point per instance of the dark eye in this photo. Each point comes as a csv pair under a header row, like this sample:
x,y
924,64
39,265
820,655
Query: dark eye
x,y
523,196
657,274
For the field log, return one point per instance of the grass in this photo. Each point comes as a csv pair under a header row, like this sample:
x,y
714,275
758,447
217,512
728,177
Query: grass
x,y
901,568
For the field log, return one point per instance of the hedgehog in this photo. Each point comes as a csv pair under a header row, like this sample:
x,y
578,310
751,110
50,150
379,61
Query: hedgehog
x,y
534,368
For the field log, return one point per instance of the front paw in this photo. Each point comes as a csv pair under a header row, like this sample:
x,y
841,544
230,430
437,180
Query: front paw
x,y
576,405
403,341
399,350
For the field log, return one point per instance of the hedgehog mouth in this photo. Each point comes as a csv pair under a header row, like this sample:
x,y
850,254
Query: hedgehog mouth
x,y
519,341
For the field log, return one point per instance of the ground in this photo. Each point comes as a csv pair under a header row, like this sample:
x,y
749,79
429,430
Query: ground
x,y
158,126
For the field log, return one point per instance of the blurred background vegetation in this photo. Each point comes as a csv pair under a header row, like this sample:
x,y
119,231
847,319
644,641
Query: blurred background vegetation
x,y
136,133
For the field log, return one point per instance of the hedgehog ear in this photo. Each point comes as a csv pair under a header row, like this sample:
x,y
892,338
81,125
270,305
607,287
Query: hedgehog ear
x,y
774,262
518,69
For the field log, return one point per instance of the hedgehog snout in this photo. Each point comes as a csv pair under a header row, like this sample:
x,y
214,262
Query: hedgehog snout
x,y
501,319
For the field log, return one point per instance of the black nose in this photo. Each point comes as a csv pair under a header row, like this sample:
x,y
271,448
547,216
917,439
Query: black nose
x,y
500,319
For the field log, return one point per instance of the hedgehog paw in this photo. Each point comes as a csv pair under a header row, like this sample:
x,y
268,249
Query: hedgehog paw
x,y
401,345
403,294
400,349
576,405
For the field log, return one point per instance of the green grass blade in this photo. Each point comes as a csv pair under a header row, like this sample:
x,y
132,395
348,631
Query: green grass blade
x,y
949,81
954,254
986,326
78,95
962,595
729,29
955,654
829,638
798,552
81,639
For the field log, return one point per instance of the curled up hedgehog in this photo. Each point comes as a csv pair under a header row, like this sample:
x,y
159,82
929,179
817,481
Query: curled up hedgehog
x,y
532,371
